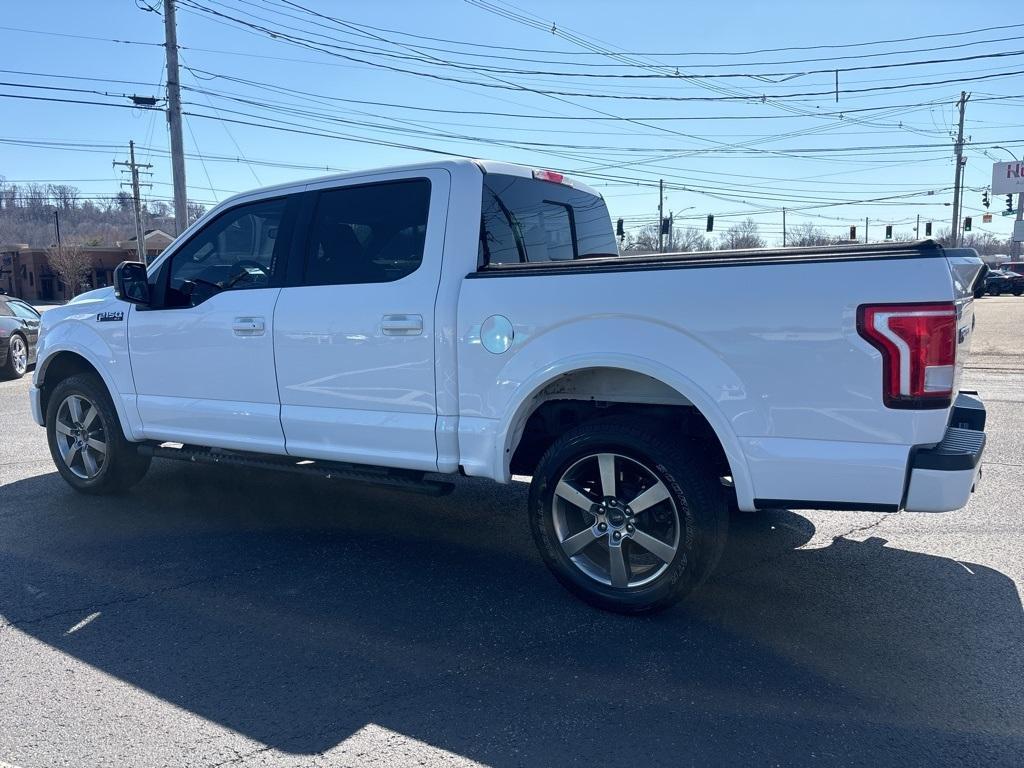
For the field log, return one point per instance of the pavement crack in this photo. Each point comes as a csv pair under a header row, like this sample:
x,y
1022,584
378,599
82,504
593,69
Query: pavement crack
x,y
870,526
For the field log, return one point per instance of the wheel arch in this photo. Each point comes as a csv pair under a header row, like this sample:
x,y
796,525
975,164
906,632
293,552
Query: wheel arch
x,y
634,380
60,364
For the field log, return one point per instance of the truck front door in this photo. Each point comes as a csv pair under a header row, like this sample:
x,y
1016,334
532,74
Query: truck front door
x,y
202,355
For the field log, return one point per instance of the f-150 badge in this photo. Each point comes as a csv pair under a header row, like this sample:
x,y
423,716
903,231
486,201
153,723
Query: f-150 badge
x,y
110,317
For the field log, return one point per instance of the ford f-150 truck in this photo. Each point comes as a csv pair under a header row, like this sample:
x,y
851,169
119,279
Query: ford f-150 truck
x,y
393,326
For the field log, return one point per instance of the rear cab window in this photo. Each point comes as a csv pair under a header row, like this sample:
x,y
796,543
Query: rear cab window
x,y
524,220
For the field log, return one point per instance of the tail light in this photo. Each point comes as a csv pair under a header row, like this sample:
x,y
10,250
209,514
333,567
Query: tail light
x,y
918,346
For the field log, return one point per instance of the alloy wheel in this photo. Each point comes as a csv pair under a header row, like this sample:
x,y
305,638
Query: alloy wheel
x,y
615,520
19,354
81,436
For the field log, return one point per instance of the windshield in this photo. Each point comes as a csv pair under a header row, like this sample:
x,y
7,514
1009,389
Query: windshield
x,y
527,220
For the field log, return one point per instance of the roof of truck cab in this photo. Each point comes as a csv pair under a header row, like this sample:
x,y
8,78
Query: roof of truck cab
x,y
487,166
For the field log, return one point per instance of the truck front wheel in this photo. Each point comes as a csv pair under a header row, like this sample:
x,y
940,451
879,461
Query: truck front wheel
x,y
627,517
86,441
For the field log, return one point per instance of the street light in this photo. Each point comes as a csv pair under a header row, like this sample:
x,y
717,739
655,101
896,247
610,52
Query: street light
x,y
998,146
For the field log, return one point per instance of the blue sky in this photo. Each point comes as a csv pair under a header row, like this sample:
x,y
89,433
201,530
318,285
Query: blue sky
x,y
730,157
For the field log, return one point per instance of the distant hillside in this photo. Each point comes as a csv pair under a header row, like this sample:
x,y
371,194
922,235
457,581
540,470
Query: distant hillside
x,y
27,215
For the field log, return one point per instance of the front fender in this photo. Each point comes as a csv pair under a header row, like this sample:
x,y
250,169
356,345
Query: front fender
x,y
104,347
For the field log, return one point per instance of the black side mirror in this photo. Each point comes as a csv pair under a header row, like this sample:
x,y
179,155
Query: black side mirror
x,y
131,282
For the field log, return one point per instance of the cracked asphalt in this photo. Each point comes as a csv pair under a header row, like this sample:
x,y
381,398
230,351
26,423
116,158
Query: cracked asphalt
x,y
219,617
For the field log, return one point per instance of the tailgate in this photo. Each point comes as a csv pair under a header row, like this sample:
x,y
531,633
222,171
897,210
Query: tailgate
x,y
965,268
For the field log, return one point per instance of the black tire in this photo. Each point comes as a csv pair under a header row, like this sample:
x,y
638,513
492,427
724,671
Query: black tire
x,y
698,501
1017,292
122,466
9,370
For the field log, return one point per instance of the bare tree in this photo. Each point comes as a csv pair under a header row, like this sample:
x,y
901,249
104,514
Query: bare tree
x,y
808,234
742,235
690,239
72,266
64,196
195,211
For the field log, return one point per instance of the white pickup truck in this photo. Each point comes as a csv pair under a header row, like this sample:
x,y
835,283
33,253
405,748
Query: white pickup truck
x,y
475,317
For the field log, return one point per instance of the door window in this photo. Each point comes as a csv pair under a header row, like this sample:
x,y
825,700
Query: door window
x,y
373,233
239,250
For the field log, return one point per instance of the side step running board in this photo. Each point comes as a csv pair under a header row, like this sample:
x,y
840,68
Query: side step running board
x,y
399,479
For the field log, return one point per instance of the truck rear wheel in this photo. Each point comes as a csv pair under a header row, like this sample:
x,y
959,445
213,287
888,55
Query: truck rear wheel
x,y
627,518
86,441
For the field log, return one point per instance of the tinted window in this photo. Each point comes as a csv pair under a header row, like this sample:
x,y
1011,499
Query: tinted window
x,y
23,310
4,309
238,250
529,220
368,234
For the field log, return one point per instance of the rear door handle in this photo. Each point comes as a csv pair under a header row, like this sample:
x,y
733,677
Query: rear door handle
x,y
249,326
402,325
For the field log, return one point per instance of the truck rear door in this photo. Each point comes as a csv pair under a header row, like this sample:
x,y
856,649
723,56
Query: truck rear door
x,y
354,325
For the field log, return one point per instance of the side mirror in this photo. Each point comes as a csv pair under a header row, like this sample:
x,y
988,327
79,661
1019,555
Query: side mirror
x,y
131,282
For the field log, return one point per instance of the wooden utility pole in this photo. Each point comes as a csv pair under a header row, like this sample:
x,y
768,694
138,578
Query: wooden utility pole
x,y
958,175
174,119
140,232
865,230
783,227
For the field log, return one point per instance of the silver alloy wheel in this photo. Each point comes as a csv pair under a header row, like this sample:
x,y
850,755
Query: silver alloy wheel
x,y
19,354
615,520
81,436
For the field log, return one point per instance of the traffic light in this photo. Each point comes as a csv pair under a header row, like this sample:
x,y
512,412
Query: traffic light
x,y
711,223
853,233
967,224
928,229
984,199
620,229
664,226
888,231
1009,203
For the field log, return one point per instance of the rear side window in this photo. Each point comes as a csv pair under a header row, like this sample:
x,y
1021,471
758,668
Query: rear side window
x,y
527,220
23,311
368,234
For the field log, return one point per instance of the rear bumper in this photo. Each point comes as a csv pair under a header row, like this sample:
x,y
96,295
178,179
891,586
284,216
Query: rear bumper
x,y
941,478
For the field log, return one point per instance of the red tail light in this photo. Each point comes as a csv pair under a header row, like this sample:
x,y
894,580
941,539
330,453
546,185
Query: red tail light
x,y
918,346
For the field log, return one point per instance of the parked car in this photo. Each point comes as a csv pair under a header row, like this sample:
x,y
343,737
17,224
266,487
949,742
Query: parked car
x,y
1000,281
1017,267
19,336
390,325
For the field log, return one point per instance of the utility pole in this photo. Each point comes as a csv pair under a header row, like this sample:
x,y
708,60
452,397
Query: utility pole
x,y
671,234
56,224
958,176
140,232
661,215
865,230
1015,244
783,227
174,119
917,228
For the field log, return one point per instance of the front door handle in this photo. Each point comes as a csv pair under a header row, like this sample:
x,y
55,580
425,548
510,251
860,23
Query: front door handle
x,y
249,326
402,325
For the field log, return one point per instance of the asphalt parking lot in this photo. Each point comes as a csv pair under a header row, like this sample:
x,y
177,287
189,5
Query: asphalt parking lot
x,y
222,617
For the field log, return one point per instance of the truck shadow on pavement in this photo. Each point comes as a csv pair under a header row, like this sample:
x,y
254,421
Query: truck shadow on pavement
x,y
297,612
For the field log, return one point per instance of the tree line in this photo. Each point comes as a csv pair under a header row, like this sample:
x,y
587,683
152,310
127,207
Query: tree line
x,y
27,215
746,234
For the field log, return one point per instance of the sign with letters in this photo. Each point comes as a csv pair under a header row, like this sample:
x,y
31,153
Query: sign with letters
x,y
1008,178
